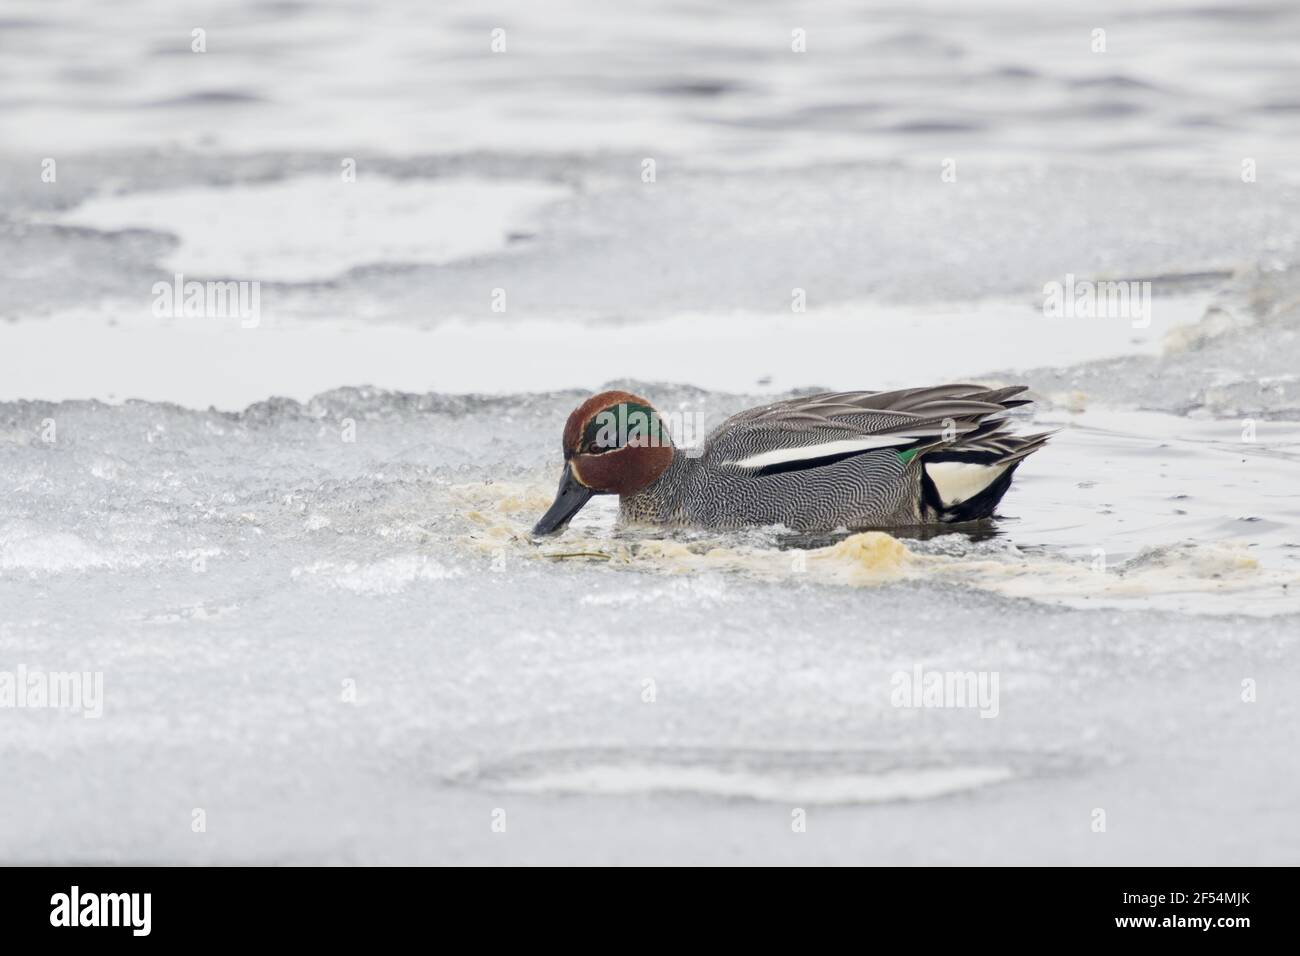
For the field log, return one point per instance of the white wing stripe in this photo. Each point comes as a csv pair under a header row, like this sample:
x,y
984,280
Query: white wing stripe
x,y
780,456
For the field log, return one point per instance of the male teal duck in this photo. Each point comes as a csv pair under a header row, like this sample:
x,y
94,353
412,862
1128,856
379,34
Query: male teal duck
x,y
822,462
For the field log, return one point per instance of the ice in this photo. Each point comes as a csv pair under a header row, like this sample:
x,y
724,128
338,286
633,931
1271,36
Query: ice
x,y
1241,368
669,280
801,783
298,554
318,227
695,241
299,359
231,573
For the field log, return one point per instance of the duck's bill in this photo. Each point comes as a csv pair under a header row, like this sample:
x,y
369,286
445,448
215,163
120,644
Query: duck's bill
x,y
568,502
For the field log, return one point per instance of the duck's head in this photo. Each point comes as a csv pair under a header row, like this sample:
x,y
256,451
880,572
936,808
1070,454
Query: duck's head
x,y
615,443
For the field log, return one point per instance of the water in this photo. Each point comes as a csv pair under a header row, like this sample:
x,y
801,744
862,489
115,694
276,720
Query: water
x,y
298,551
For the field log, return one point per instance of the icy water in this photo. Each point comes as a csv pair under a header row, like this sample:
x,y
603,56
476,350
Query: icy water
x,y
296,548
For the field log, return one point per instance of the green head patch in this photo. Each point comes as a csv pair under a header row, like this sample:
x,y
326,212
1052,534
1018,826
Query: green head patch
x,y
621,425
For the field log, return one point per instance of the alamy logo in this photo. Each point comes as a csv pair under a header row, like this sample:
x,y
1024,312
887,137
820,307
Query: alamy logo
x,y
102,909
179,299
956,689
625,424
1088,299
55,690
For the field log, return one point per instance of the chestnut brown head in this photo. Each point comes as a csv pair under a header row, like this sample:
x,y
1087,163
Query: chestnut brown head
x,y
615,443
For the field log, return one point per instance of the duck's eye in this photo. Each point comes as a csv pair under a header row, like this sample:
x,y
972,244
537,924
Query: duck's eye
x,y
602,434
599,446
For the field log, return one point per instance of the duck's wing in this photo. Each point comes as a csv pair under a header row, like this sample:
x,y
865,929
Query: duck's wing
x,y
816,430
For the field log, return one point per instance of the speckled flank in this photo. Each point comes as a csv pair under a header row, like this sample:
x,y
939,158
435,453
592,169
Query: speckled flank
x,y
873,489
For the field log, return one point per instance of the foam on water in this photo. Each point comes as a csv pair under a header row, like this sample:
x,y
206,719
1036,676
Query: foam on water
x,y
1208,577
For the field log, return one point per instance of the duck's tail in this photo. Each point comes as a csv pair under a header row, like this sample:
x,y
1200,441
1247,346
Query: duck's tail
x,y
963,480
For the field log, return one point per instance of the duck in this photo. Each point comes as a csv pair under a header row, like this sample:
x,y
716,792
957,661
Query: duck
x,y
937,455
